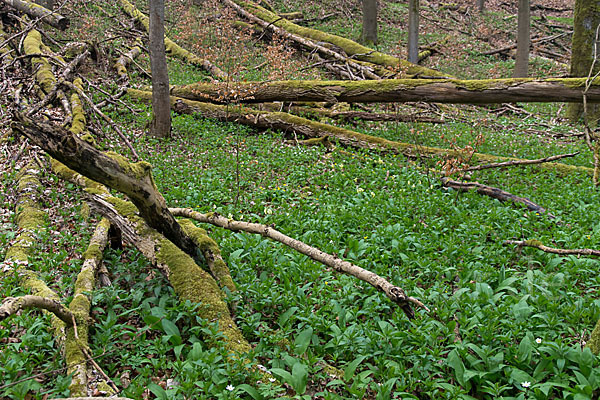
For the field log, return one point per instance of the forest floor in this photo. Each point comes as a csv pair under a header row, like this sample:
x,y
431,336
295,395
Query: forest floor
x,y
505,322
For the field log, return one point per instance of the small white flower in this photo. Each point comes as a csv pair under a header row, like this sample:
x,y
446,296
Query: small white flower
x,y
272,380
261,367
526,384
230,388
538,340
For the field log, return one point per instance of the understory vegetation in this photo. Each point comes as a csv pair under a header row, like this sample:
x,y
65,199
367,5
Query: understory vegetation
x,y
504,322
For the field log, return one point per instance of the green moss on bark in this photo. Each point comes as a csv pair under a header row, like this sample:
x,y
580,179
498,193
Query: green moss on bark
x,y
594,342
44,76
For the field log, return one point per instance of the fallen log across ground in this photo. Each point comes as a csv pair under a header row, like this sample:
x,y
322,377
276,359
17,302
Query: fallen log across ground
x,y
312,129
394,293
565,252
111,169
495,193
397,90
36,11
353,50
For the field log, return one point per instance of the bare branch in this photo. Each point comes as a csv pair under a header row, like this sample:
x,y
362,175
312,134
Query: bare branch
x,y
12,305
538,245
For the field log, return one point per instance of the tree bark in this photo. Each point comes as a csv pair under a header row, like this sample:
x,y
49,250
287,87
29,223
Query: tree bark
x,y
523,40
111,169
311,129
413,31
368,35
394,293
585,25
38,11
349,47
161,106
481,6
396,90
12,305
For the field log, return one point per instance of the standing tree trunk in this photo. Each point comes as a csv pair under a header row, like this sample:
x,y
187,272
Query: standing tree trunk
x,y
161,106
413,31
481,6
523,41
368,35
585,24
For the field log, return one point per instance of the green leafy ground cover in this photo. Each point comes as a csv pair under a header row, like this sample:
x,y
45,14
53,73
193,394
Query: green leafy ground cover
x,y
504,323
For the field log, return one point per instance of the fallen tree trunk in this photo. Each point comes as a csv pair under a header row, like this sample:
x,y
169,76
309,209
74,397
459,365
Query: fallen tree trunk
x,y
494,193
111,169
565,252
396,90
394,293
36,11
311,129
354,50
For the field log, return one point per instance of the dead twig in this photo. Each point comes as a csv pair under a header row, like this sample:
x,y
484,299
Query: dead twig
x,y
565,252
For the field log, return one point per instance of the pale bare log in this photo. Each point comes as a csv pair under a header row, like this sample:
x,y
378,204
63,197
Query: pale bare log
x,y
515,163
565,252
12,305
395,293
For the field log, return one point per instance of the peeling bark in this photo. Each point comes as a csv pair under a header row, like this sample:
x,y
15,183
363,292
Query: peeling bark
x,y
396,90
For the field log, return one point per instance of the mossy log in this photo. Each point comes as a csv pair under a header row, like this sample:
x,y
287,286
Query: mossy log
x,y
125,59
311,129
110,169
37,11
396,90
30,220
32,45
594,342
349,47
349,116
189,281
172,47
76,344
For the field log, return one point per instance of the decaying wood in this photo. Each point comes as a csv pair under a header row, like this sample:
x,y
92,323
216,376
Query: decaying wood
x,y
12,305
397,90
353,50
366,72
312,129
76,344
494,193
565,252
189,281
36,11
395,293
111,169
517,163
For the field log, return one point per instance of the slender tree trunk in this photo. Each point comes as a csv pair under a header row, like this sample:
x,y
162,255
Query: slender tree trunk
x,y
369,22
413,31
523,41
161,106
481,6
585,24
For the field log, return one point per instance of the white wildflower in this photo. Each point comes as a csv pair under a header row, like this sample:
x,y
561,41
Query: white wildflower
x,y
525,384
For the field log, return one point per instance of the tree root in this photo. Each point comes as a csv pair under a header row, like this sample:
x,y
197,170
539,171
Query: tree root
x,y
395,293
